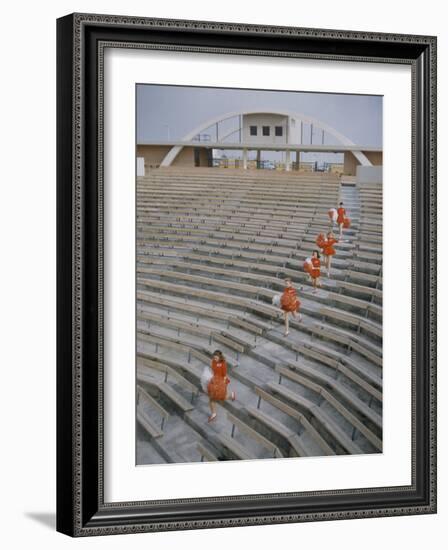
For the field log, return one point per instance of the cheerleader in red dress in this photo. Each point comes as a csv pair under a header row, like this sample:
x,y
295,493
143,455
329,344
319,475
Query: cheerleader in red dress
x,y
341,218
289,303
217,387
328,250
315,271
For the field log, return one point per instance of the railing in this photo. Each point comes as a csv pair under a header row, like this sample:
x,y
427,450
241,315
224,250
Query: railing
x,y
277,165
227,163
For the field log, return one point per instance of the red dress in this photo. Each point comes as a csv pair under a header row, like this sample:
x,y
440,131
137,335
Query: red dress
x,y
315,272
289,300
217,387
341,215
328,249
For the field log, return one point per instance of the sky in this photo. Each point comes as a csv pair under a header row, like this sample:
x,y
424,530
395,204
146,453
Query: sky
x,y
170,112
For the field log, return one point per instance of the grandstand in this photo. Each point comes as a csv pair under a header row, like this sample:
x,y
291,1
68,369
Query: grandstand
x,y
213,248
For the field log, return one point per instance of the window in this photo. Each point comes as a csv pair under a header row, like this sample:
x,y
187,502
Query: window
x,y
253,130
266,130
279,131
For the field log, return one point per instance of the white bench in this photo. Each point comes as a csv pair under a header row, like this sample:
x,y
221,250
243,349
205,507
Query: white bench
x,y
331,398
278,428
144,420
252,433
343,441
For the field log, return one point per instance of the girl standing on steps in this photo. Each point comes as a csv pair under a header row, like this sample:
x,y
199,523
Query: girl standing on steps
x,y
289,303
217,387
315,270
341,218
329,251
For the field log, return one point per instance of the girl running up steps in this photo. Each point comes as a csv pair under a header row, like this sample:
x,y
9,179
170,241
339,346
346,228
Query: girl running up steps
x,y
289,303
217,387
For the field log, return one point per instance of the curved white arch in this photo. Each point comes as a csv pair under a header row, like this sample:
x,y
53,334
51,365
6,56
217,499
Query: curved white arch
x,y
174,151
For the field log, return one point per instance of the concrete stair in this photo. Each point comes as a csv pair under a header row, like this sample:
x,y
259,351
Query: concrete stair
x,y
211,254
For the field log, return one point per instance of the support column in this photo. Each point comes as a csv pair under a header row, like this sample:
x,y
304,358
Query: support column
x,y
288,160
245,159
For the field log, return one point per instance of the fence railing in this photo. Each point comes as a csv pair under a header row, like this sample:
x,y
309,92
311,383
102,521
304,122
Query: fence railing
x,y
334,168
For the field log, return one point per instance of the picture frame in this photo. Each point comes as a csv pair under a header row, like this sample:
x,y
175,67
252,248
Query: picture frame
x,y
81,507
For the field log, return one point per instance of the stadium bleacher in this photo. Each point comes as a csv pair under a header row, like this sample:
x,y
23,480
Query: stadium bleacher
x,y
213,249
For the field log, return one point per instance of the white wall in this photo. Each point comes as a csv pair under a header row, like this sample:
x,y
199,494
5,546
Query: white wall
x,y
369,174
264,119
27,305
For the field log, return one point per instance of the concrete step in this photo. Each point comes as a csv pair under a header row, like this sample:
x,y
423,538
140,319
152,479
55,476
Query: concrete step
x,y
195,297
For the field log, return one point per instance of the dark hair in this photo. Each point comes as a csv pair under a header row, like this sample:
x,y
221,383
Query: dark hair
x,y
219,353
341,203
317,252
